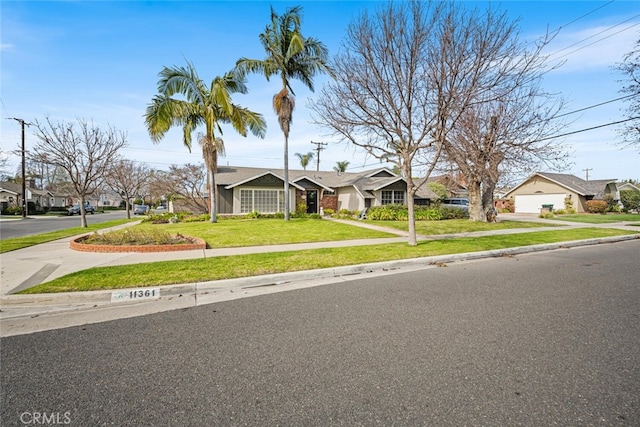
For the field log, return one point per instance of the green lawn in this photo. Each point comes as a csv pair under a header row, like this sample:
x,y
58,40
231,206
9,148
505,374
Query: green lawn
x,y
598,218
228,233
452,226
197,270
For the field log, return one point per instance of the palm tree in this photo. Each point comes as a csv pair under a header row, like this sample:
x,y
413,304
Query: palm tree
x,y
205,105
289,55
341,167
305,159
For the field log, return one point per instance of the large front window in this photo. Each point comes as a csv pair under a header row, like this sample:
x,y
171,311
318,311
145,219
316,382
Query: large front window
x,y
392,197
265,201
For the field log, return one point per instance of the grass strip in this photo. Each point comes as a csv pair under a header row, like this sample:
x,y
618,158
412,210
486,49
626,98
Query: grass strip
x,y
227,267
453,226
597,218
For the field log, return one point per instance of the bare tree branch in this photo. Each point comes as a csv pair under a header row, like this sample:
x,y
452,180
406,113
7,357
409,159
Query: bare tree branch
x,y
84,151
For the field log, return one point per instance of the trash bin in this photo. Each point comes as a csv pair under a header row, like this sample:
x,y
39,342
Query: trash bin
x,y
548,208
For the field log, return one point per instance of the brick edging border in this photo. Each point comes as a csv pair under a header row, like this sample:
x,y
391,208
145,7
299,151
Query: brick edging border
x,y
77,245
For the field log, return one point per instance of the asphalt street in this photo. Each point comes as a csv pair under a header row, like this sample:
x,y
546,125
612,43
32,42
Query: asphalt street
x,y
11,228
548,338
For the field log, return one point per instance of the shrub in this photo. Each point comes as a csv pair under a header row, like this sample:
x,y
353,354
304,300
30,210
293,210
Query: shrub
x,y
422,213
596,206
344,213
328,211
388,213
612,204
568,204
12,210
453,213
254,215
546,215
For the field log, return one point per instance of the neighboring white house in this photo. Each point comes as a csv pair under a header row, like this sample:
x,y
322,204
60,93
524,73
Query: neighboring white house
x,y
543,188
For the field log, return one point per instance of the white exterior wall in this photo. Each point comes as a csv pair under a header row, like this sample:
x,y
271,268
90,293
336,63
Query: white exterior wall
x,y
349,198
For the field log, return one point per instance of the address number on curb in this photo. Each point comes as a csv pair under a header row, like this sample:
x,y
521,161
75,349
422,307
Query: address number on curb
x,y
135,294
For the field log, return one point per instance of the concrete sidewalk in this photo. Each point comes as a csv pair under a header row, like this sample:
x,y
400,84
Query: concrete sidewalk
x,y
28,267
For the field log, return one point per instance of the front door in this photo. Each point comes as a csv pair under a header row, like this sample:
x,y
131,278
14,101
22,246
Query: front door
x,y
312,201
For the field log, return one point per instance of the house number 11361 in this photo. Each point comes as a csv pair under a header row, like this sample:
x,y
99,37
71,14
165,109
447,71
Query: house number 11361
x,y
135,294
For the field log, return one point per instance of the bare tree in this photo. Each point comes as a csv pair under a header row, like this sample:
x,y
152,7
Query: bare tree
x,y
502,118
84,151
187,183
631,69
382,98
128,178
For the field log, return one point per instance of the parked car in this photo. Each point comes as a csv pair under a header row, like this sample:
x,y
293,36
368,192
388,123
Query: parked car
x,y
160,210
456,202
75,209
141,210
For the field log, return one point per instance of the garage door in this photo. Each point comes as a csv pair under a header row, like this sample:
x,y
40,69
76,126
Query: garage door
x,y
531,203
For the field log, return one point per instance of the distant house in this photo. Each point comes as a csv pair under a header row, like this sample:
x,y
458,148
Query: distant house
x,y
11,195
542,188
627,186
242,190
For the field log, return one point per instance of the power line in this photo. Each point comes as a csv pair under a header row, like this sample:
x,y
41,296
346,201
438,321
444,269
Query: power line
x,y
585,15
593,106
585,130
594,35
597,41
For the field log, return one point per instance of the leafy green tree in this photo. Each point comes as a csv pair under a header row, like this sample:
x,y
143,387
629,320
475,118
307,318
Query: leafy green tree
x,y
438,188
289,55
630,200
205,105
305,159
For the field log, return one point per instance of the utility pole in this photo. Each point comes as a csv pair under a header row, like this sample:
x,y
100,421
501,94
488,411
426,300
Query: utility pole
x,y
319,148
24,178
587,172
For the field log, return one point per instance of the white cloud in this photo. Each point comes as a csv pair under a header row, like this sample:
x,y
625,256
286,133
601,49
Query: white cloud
x,y
593,48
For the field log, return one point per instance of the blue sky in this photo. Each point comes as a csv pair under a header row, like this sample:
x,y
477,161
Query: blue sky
x,y
99,60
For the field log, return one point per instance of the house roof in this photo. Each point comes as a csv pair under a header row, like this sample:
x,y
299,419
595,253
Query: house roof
x,y
627,186
11,187
364,182
579,186
15,188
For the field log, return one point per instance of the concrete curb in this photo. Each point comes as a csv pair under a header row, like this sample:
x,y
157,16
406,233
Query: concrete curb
x,y
194,290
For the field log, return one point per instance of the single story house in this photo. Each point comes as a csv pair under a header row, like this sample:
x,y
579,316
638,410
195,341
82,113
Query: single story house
x,y
11,195
543,188
245,189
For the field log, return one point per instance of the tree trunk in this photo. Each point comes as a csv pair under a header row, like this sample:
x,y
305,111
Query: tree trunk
x,y
212,197
286,179
83,214
487,195
411,191
476,211
127,207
